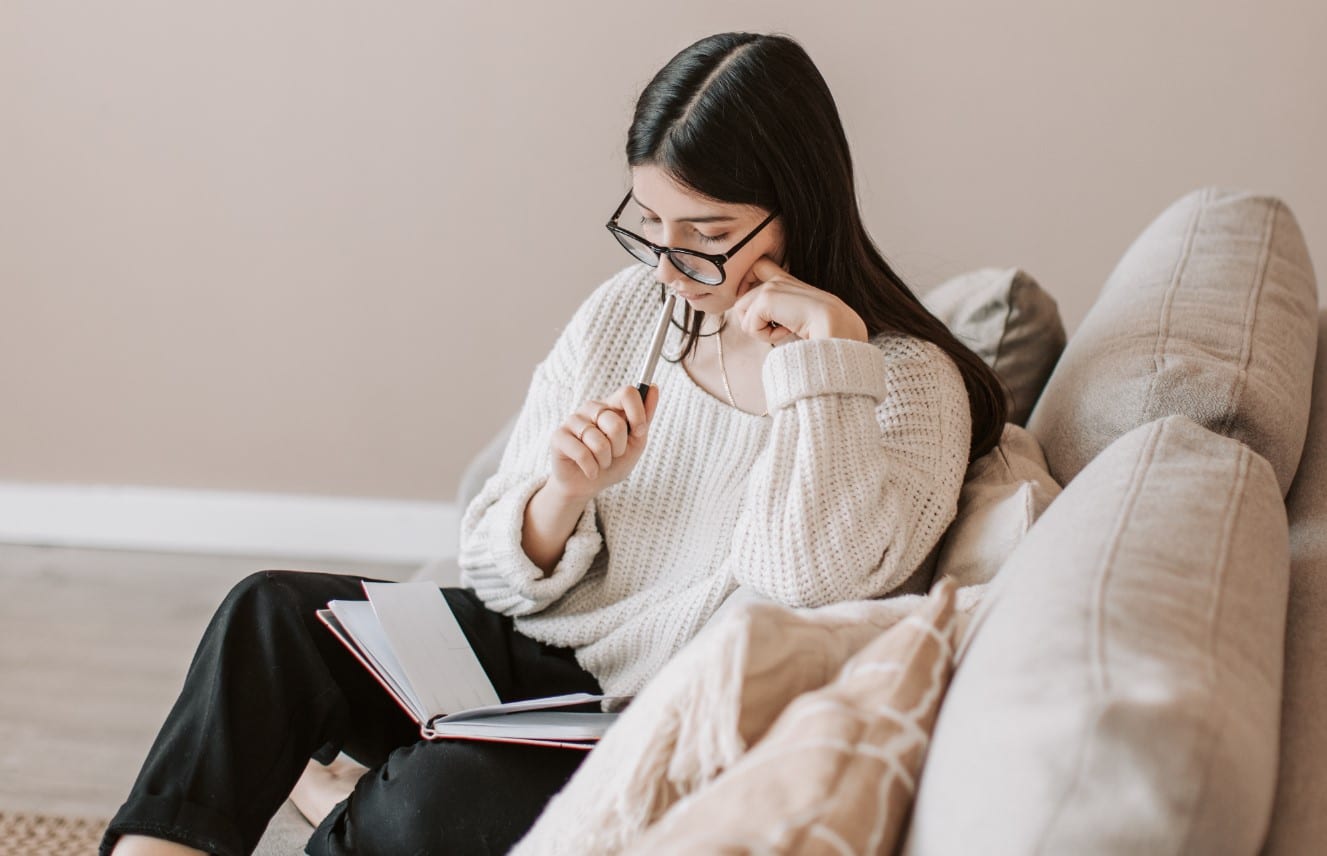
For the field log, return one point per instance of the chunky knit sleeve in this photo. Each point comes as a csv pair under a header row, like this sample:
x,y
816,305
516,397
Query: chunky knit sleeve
x,y
493,563
861,475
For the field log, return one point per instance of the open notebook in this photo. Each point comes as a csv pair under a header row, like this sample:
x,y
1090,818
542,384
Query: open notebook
x,y
407,637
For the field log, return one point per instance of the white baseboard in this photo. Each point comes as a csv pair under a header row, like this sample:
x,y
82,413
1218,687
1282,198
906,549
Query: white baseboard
x,y
227,523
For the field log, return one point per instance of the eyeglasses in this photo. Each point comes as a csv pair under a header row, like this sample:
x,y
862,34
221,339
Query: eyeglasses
x,y
705,268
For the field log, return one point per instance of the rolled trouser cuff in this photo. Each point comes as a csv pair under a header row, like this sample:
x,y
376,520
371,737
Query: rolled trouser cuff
x,y
175,820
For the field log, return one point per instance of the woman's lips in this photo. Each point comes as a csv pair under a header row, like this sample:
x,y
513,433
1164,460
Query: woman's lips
x,y
685,296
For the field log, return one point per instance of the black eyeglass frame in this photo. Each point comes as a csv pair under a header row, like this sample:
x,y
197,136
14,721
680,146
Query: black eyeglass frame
x,y
715,259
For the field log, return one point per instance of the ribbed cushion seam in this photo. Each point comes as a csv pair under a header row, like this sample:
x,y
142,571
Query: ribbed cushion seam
x,y
1163,321
1096,625
1250,312
1097,646
1233,501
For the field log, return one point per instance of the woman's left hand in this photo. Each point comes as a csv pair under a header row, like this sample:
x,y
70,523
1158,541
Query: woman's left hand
x,y
780,307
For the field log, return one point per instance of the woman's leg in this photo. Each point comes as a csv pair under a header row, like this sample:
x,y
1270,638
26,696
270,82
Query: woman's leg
x,y
322,786
460,796
446,796
268,688
518,667
142,845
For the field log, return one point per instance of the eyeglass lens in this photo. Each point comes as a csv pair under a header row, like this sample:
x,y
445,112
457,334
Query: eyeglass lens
x,y
700,269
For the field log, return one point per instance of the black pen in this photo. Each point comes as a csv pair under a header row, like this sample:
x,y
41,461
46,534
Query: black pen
x,y
656,346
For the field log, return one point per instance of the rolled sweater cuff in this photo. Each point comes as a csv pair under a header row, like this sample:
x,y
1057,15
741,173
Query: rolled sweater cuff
x,y
514,585
811,367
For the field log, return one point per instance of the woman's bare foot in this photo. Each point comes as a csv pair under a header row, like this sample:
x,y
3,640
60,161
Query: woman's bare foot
x,y
321,788
142,845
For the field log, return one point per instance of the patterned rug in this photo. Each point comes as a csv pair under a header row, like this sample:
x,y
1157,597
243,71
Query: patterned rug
x,y
23,834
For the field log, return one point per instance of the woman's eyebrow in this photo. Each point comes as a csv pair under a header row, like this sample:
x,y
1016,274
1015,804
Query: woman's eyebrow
x,y
713,218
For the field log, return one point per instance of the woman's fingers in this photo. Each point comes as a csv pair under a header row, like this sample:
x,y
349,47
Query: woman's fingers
x,y
569,446
766,269
592,425
618,418
614,427
600,432
598,444
628,400
590,410
759,324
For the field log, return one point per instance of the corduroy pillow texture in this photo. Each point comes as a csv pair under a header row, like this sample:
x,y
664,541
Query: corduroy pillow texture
x,y
1299,819
1119,689
1210,313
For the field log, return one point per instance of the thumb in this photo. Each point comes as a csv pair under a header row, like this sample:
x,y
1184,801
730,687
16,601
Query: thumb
x,y
765,268
651,402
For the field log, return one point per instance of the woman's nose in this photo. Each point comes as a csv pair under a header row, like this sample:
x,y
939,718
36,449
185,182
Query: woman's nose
x,y
668,272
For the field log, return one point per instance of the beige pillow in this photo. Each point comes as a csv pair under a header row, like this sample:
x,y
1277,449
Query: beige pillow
x,y
1299,819
1211,313
1119,691
837,771
1010,321
1003,494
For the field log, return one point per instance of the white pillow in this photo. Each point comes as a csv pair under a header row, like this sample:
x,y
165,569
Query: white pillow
x,y
1004,492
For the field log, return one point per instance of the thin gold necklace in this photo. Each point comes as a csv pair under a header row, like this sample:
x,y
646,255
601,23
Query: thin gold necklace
x,y
723,372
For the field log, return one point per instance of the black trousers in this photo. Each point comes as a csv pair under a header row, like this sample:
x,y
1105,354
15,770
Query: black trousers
x,y
270,687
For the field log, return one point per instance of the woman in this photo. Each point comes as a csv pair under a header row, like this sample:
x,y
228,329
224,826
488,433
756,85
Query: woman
x,y
807,443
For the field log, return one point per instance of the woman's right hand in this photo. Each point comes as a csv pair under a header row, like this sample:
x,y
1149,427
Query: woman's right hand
x,y
599,444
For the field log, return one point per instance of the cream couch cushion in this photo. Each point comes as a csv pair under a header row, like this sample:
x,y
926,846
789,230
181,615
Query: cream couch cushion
x,y
1119,690
1210,313
1299,821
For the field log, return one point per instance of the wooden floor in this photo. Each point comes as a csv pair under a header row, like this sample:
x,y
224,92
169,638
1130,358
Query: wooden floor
x,y
93,648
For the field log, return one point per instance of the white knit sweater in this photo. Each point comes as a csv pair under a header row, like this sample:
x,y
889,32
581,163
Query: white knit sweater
x,y
839,494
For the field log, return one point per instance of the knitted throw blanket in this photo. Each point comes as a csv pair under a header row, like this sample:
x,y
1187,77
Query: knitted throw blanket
x,y
704,709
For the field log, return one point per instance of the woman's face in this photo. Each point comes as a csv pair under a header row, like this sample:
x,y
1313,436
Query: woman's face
x,y
671,213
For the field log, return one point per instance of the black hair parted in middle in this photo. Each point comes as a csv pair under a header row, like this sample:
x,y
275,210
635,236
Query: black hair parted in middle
x,y
747,119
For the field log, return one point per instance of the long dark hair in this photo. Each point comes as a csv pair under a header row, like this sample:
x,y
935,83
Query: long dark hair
x,y
748,119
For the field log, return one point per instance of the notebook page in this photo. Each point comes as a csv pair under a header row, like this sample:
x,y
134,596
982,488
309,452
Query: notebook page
x,y
437,660
358,621
546,724
524,704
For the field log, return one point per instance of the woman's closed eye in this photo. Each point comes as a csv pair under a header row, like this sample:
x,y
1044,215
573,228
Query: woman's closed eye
x,y
708,239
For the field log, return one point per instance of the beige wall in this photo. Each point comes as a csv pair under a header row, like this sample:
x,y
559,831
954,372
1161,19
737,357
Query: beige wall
x,y
318,247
